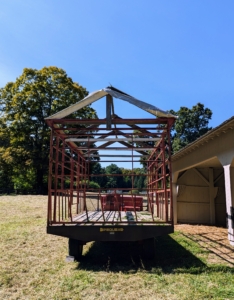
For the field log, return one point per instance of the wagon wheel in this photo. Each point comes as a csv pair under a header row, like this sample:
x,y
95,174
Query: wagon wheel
x,y
148,248
75,248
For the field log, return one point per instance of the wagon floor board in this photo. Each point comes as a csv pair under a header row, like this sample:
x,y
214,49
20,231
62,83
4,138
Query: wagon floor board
x,y
115,216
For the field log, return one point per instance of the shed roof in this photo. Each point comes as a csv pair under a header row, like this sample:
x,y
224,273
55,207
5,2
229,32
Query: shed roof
x,y
94,96
211,134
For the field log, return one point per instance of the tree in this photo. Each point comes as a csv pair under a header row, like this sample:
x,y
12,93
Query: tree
x,y
89,184
6,184
190,125
114,181
140,179
127,178
98,170
24,105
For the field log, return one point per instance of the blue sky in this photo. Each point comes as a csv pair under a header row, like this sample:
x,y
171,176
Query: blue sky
x,y
168,53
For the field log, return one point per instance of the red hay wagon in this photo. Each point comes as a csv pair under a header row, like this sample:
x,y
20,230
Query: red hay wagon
x,y
84,214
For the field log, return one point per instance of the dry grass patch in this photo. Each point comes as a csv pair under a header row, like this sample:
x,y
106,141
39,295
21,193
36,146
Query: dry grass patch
x,y
187,265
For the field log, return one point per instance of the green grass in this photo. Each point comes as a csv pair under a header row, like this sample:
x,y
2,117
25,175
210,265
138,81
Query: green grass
x,y
32,263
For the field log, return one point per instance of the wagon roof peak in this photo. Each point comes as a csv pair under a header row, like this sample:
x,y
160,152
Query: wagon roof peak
x,y
114,93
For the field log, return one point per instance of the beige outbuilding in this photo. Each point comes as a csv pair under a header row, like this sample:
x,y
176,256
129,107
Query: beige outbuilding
x,y
203,179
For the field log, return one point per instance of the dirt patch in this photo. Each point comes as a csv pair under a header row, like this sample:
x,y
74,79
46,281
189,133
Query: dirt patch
x,y
214,239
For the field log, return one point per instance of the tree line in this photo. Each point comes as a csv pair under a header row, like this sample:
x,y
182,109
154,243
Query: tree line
x,y
127,178
24,135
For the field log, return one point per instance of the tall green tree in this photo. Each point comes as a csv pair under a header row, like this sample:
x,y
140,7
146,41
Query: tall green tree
x,y
24,105
98,174
140,180
190,125
6,184
127,178
114,181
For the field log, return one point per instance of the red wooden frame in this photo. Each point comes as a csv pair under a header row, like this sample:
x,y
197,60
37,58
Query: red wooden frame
x,y
70,161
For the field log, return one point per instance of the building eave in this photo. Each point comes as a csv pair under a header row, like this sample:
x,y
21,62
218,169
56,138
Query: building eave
x,y
210,135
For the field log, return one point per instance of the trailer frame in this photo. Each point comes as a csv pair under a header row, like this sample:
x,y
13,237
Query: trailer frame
x,y
82,213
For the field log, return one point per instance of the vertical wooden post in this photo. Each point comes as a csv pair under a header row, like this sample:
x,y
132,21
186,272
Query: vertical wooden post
x,y
211,195
171,186
56,177
49,215
229,202
108,111
164,179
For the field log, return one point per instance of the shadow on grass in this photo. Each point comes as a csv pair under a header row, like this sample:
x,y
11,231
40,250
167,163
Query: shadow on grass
x,y
170,257
215,244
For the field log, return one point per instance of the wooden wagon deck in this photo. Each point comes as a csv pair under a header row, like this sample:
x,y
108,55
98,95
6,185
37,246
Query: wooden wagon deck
x,y
116,217
111,226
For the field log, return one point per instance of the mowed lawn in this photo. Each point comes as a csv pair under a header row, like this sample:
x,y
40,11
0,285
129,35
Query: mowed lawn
x,y
189,264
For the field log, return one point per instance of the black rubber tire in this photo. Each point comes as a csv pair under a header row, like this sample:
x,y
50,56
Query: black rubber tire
x,y
75,248
149,248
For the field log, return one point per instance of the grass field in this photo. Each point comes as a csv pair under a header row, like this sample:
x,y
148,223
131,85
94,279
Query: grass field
x,y
32,264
